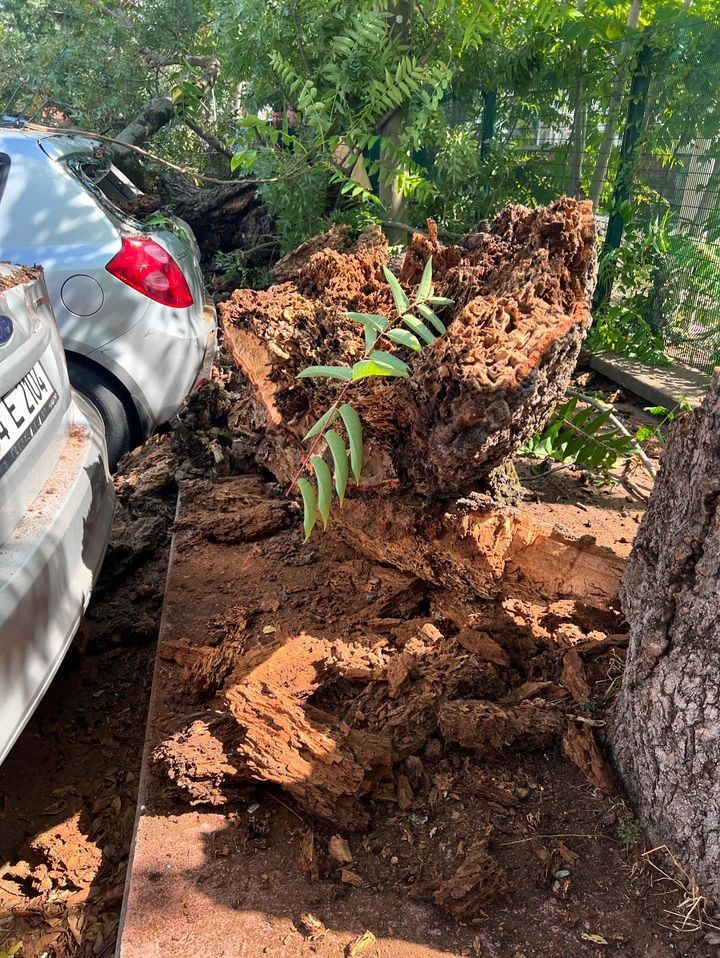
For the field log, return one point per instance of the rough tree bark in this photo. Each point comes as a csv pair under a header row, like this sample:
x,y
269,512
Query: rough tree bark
x,y
666,732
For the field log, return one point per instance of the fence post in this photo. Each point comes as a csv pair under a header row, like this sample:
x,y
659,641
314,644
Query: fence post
x,y
624,178
488,120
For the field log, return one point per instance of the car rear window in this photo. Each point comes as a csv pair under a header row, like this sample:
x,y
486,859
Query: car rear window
x,y
4,170
111,189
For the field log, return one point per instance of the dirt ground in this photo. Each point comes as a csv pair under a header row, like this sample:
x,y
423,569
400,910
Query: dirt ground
x,y
563,860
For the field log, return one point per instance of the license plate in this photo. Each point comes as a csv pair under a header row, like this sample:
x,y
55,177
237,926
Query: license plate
x,y
23,410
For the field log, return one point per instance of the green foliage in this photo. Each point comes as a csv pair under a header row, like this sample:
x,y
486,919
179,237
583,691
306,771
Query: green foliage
x,y
582,436
629,324
658,430
376,363
630,831
234,270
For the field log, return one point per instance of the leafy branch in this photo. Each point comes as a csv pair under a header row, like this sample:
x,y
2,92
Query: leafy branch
x,y
414,326
592,437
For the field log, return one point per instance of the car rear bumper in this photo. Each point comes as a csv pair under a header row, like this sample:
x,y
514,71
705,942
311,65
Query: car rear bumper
x,y
48,568
162,359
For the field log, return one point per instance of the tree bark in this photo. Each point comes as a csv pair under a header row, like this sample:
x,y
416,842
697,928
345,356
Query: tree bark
x,y
666,731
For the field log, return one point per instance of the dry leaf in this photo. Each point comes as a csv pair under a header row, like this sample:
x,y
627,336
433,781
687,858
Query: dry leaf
x,y
340,850
361,944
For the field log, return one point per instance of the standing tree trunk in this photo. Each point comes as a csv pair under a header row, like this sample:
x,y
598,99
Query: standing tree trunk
x,y
608,138
579,125
400,13
666,730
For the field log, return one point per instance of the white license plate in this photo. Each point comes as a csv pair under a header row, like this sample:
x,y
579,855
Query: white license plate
x,y
23,410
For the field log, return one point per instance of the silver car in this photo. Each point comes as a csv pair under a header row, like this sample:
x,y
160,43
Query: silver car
x,y
56,499
129,300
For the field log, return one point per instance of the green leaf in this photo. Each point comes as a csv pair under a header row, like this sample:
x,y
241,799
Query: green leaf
x,y
430,316
340,459
327,419
419,328
441,301
398,295
371,336
331,372
425,287
324,483
309,506
380,364
354,431
404,338
371,319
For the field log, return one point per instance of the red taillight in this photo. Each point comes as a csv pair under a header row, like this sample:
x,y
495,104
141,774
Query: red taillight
x,y
145,266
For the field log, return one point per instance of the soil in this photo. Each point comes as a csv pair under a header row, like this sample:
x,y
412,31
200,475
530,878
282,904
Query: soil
x,y
507,853
496,853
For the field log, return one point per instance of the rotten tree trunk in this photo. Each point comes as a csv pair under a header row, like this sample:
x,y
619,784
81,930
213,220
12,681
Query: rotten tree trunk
x,y
475,395
666,732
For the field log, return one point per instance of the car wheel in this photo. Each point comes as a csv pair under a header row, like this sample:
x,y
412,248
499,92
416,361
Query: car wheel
x,y
118,430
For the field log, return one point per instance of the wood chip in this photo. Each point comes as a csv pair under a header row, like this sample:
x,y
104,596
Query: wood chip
x,y
361,944
307,858
312,926
405,793
350,878
574,677
581,748
340,850
480,644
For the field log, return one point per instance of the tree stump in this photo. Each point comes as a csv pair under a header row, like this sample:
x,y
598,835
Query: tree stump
x,y
666,732
521,289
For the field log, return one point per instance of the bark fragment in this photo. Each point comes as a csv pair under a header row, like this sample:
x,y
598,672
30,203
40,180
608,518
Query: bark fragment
x,y
477,883
581,747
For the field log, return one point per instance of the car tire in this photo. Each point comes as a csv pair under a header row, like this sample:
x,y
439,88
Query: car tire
x,y
118,428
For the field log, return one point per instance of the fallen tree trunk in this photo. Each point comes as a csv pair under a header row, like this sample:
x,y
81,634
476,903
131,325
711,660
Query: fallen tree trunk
x,y
475,395
666,733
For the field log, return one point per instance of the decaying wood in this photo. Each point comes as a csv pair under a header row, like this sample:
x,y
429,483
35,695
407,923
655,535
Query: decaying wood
x,y
574,678
581,747
489,728
418,681
477,883
308,860
666,733
521,312
472,547
202,761
312,755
